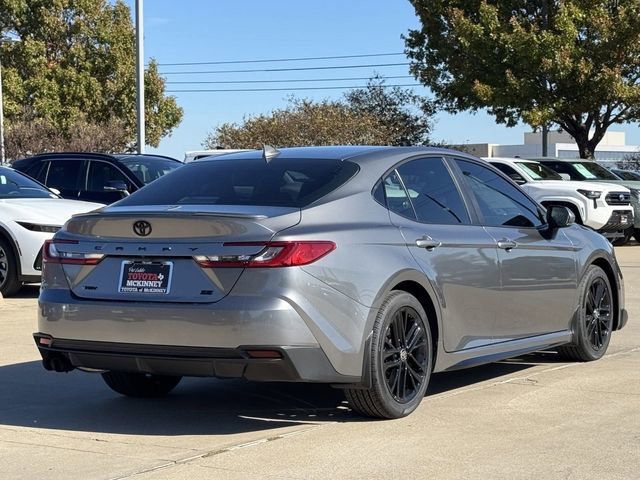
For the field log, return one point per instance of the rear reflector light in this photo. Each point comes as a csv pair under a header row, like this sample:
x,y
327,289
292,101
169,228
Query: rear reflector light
x,y
274,254
50,254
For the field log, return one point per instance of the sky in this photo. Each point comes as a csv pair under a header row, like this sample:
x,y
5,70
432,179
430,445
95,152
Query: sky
x,y
228,30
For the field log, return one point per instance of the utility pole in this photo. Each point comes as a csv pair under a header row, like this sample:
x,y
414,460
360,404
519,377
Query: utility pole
x,y
2,157
3,39
140,75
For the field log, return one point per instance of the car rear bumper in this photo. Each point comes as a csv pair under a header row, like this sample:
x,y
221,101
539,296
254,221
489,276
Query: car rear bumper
x,y
283,363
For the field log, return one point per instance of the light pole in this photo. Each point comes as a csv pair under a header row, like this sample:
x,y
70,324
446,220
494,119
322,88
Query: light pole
x,y
140,74
3,40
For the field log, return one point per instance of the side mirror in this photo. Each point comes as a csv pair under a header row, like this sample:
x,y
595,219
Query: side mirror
x,y
559,216
517,178
565,176
115,186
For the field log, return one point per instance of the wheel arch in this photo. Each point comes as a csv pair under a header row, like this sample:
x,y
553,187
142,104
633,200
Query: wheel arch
x,y
13,244
416,284
604,264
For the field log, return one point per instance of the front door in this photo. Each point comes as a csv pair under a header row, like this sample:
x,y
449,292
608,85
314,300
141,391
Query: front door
x,y
537,267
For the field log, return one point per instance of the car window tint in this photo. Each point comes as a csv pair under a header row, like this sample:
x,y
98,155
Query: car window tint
x,y
101,173
65,174
509,172
283,182
500,202
38,170
148,168
562,167
433,192
397,199
378,193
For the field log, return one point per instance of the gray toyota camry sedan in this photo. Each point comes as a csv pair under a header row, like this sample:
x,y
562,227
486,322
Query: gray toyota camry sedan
x,y
367,268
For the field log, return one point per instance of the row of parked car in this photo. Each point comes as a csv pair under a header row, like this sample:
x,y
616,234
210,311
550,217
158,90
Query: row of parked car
x,y
38,194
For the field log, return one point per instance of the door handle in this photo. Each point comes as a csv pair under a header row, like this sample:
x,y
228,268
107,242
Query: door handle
x,y
507,244
428,243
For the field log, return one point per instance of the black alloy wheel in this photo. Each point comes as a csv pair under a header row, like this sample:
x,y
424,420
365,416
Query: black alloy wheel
x,y
598,314
594,318
404,355
398,362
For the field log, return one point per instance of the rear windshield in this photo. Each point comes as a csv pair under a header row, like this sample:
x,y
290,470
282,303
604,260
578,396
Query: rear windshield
x,y
280,183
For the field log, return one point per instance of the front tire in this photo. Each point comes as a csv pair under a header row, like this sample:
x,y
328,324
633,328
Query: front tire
x,y
400,364
592,331
9,283
140,384
628,233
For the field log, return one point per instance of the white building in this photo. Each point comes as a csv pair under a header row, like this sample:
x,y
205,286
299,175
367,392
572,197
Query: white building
x,y
560,144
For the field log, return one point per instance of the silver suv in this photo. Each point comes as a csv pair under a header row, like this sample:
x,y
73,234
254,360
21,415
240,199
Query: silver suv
x,y
367,268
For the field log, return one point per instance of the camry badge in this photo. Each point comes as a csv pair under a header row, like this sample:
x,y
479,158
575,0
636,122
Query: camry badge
x,y
142,228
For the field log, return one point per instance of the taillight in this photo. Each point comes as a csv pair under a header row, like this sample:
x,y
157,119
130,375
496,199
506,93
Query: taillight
x,y
274,254
50,254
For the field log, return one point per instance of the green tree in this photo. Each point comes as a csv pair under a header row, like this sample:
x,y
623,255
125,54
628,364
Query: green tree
x,y
76,63
301,123
407,115
374,115
573,63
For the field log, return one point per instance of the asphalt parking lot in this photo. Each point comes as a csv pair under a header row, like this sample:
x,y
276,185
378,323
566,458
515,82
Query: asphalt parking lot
x,y
530,417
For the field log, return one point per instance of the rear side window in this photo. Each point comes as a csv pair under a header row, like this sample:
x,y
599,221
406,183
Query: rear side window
x,y
279,183
65,174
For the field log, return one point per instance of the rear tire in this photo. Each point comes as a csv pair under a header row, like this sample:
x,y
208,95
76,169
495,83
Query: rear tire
x,y
636,234
9,283
140,384
592,331
400,364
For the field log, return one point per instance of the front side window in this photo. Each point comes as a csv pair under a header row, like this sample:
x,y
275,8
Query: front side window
x,y
148,168
510,172
433,192
103,175
500,202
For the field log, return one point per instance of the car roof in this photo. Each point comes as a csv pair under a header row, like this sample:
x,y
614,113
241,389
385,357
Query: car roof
x,y
114,158
509,160
558,159
128,156
356,153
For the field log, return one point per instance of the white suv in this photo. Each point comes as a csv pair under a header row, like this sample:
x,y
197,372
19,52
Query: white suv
x,y
603,207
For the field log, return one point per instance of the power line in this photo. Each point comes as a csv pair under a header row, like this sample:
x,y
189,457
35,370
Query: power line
x,y
299,59
305,80
288,89
330,67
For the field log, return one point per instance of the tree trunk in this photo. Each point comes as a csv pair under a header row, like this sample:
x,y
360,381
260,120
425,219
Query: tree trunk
x,y
586,149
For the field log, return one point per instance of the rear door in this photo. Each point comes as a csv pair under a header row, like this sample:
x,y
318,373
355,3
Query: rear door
x,y
457,256
538,268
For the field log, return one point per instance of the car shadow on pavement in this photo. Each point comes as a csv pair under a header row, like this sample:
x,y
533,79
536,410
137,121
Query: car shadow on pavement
x,y
77,401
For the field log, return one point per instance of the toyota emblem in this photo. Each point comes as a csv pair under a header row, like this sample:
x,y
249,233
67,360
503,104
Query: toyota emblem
x,y
142,228
621,197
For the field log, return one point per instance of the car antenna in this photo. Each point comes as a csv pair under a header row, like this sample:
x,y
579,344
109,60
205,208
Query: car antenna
x,y
269,152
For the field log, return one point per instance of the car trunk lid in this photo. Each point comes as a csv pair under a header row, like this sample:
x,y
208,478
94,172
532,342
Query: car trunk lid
x,y
148,253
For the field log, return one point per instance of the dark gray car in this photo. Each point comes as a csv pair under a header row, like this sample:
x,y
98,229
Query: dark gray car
x,y
367,268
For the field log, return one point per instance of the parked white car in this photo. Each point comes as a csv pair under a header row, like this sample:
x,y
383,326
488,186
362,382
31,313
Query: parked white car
x,y
603,207
199,154
29,214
